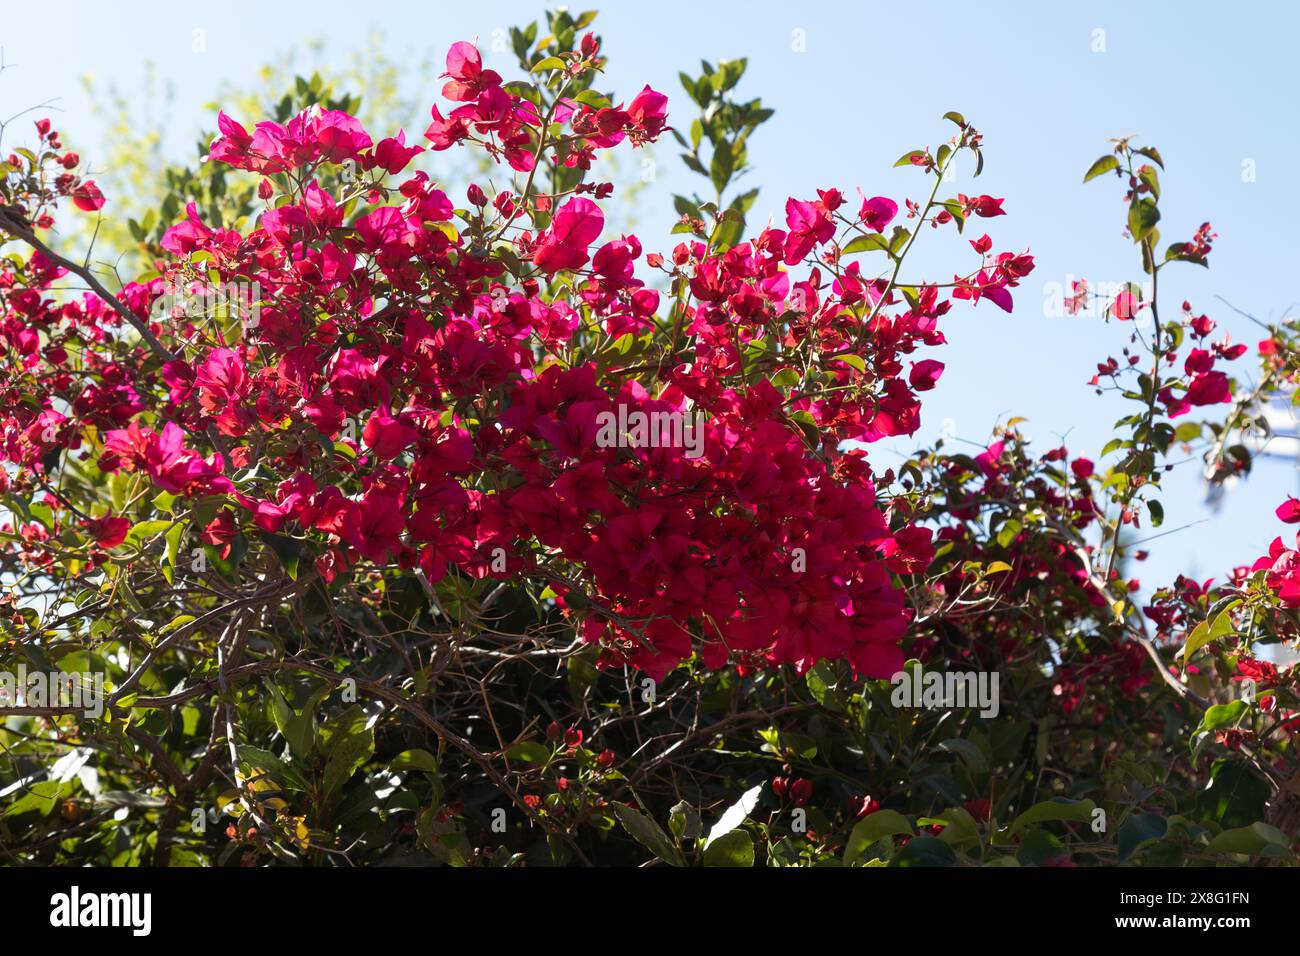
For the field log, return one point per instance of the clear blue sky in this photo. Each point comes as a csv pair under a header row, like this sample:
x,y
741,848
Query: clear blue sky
x,y
1209,85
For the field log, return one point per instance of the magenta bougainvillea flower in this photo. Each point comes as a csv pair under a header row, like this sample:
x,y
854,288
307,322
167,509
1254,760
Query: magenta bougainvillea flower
x,y
564,246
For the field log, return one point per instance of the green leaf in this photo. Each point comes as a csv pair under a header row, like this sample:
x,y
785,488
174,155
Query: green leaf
x,y
1223,715
646,832
684,821
1254,840
144,530
593,99
744,202
731,849
871,242
897,239
734,815
1209,630
179,620
1073,811
1152,181
173,539
721,166
848,358
297,728
823,685
529,751
693,90
1008,532
415,760
786,378
873,827
42,797
1151,153
959,827
1236,796
1106,164
684,206
349,743
548,63
1142,218
1138,830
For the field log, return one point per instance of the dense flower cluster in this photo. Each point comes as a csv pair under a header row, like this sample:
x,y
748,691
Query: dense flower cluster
x,y
422,385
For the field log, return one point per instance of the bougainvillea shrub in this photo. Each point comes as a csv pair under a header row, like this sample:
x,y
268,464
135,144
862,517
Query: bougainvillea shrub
x,y
390,519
